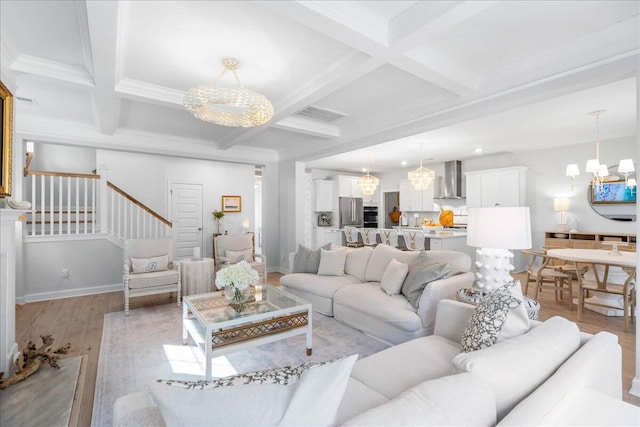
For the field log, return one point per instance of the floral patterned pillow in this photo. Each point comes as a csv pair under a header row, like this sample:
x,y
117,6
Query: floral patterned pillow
x,y
488,318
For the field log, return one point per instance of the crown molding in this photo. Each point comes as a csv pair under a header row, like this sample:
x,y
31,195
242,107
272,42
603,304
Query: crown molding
x,y
85,38
308,127
53,70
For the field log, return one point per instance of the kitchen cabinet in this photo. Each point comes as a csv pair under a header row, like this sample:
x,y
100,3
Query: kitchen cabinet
x,y
326,235
412,200
323,195
347,186
504,187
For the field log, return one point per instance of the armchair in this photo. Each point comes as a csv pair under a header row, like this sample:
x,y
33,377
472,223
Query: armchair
x,y
231,248
149,269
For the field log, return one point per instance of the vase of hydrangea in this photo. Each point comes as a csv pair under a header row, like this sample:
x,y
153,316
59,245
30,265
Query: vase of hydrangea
x,y
237,280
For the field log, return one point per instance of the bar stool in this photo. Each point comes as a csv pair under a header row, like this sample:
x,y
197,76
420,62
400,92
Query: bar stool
x,y
351,236
388,236
369,236
413,240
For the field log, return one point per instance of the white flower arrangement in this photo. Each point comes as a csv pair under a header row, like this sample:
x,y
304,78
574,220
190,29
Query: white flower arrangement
x,y
239,276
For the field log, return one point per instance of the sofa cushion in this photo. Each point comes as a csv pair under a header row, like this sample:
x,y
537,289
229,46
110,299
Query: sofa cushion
x,y
155,278
393,277
306,260
325,286
422,271
459,262
369,299
381,257
357,260
517,366
310,397
391,371
357,399
488,319
455,400
332,262
147,265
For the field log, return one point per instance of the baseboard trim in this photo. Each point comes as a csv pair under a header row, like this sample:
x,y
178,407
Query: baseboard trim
x,y
69,293
635,386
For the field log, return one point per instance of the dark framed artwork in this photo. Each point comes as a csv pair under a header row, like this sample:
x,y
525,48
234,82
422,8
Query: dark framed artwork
x,y
6,140
231,203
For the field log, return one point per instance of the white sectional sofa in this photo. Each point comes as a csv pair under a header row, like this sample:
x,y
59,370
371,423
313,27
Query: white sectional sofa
x,y
530,379
357,300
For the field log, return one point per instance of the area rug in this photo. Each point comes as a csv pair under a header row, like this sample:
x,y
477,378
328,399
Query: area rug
x,y
43,399
147,345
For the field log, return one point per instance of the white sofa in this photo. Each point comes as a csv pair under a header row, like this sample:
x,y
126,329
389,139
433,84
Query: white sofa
x,y
530,379
356,299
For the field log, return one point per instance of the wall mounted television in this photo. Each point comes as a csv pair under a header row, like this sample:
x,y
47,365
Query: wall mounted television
x,y
615,192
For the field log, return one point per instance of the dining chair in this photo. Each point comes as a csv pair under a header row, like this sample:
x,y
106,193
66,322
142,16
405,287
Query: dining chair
x,y
388,236
369,236
351,236
609,279
541,272
413,239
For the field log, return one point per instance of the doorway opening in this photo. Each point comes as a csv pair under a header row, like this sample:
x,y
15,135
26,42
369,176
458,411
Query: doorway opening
x,y
391,205
258,209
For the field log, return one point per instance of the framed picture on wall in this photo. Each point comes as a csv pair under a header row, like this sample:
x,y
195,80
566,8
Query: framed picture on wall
x,y
6,140
231,203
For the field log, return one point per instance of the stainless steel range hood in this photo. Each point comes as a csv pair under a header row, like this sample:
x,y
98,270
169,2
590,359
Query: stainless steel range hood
x,y
451,185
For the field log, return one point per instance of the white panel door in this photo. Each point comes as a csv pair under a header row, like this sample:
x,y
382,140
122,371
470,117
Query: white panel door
x,y
186,214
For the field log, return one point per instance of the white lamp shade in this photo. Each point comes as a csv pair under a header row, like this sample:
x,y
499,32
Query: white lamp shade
x,y
603,171
572,170
29,147
561,205
592,166
626,166
499,228
631,182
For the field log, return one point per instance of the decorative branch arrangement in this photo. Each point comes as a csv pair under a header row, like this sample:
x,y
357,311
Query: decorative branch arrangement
x,y
33,358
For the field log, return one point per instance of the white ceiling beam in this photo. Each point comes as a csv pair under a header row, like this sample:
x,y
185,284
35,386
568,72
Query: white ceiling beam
x,y
85,38
53,70
103,23
308,127
150,93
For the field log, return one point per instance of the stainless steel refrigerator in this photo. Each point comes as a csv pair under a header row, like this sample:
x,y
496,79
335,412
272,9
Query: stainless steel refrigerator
x,y
351,212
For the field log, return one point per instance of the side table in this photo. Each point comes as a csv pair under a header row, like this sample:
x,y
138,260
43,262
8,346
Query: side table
x,y
474,296
197,276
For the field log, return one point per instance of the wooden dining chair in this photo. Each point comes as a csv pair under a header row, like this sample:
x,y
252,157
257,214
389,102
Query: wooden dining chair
x,y
545,275
609,279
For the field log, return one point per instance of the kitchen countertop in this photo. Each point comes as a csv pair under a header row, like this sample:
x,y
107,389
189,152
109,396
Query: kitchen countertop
x,y
436,234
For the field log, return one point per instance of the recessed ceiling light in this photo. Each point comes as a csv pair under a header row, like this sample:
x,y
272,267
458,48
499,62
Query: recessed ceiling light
x,y
403,163
478,150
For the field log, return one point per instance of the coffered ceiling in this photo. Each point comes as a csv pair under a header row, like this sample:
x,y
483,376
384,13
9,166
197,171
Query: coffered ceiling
x,y
378,75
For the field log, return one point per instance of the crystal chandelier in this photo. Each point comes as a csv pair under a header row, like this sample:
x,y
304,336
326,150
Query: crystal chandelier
x,y
368,183
599,171
227,106
421,178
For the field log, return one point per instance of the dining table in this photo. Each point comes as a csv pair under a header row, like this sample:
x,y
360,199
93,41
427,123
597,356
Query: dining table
x,y
606,267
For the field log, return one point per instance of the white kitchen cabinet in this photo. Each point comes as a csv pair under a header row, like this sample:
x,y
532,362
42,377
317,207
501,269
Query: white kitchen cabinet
x,y
324,195
504,187
347,186
413,200
326,235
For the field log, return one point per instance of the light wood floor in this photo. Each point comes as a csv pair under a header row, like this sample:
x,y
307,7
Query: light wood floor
x,y
79,321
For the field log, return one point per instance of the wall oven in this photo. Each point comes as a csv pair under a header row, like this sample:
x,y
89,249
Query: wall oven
x,y
370,217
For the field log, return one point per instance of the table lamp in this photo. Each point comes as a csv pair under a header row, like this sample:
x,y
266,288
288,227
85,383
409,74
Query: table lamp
x,y
495,232
561,205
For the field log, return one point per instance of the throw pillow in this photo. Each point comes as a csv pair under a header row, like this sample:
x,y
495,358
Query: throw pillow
x,y
393,277
306,260
332,262
518,321
422,271
488,318
147,265
257,398
237,256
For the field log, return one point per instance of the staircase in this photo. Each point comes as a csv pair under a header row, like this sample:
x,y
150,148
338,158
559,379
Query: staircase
x,y
74,205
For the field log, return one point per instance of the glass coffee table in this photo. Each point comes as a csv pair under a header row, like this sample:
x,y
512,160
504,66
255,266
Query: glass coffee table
x,y
270,315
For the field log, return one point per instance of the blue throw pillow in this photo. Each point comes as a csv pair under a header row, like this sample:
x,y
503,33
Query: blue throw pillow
x,y
422,271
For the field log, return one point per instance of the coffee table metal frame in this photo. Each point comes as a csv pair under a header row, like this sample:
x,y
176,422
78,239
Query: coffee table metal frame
x,y
217,329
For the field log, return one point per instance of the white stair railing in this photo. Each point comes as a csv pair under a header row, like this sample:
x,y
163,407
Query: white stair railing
x,y
71,204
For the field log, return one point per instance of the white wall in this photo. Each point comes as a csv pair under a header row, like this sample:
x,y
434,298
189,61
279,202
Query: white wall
x,y
148,179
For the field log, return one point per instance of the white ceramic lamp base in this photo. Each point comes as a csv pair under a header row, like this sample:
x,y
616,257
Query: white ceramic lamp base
x,y
494,268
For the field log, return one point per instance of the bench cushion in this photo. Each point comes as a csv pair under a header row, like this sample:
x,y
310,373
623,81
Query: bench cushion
x,y
154,278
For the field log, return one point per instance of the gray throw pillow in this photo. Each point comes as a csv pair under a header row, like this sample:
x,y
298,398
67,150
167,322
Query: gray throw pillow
x,y
306,260
422,271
